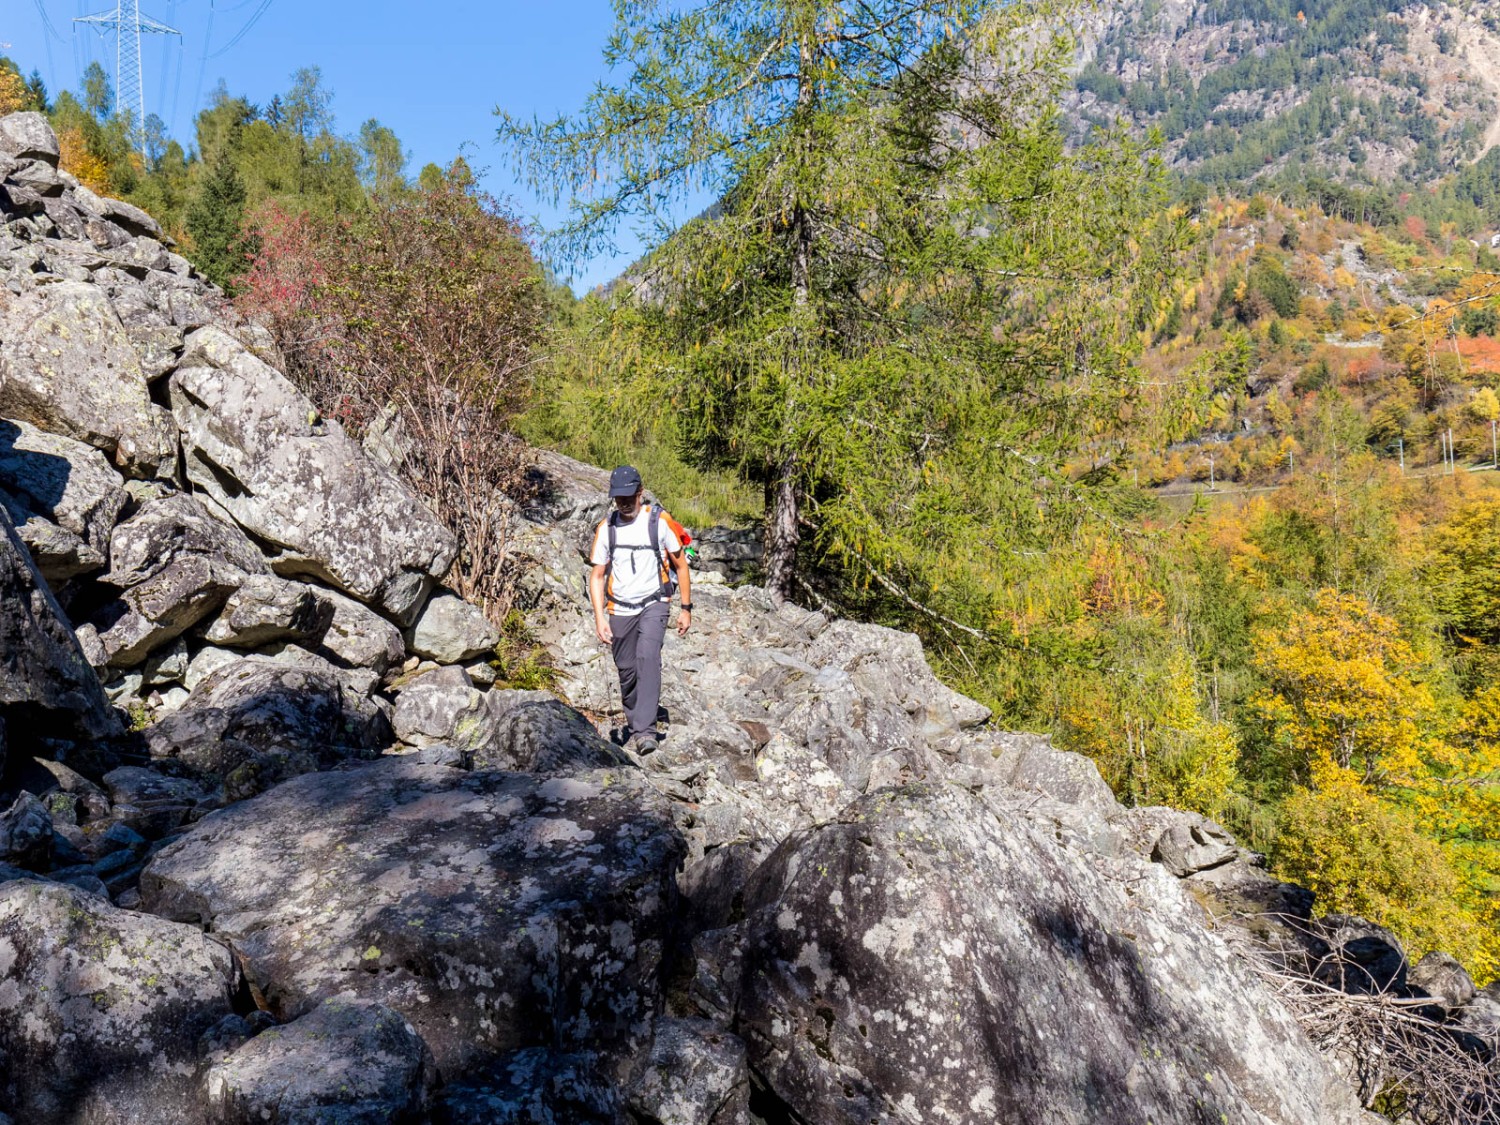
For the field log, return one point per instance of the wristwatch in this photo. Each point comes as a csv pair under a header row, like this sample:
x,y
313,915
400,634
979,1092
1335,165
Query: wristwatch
x,y
688,606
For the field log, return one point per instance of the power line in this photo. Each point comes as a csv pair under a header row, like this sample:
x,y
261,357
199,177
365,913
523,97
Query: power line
x,y
208,38
41,10
244,31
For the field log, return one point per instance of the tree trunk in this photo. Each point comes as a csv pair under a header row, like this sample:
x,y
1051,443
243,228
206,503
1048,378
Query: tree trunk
x,y
782,530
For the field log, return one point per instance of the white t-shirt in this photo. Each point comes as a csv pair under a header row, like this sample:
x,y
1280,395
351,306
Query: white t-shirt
x,y
636,575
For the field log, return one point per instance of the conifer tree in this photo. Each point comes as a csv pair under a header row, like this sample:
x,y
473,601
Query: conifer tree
x,y
213,222
833,326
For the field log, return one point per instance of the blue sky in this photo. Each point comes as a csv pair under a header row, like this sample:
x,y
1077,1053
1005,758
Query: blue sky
x,y
434,72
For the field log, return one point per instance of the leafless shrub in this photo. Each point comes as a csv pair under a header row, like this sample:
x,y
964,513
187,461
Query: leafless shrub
x,y
1405,1064
415,325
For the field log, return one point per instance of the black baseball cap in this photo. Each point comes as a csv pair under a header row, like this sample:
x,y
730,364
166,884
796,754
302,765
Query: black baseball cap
x,y
624,481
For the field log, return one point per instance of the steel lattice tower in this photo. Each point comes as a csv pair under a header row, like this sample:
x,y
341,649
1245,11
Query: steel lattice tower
x,y
129,25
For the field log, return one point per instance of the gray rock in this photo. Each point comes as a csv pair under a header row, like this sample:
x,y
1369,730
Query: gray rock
x,y
58,553
253,443
28,136
67,367
46,684
1444,979
152,803
267,609
696,1075
1364,958
173,526
63,481
176,565
254,723
541,736
205,662
166,666
535,1087
494,911
1031,763
158,347
443,706
450,630
359,637
101,1009
925,958
1481,1017
41,177
1193,843
347,1062
25,832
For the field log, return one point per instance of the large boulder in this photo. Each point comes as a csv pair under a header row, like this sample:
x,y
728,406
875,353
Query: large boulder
x,y
267,609
259,448
176,565
63,482
347,1062
930,957
28,136
495,911
101,1009
47,688
257,721
67,366
450,630
358,637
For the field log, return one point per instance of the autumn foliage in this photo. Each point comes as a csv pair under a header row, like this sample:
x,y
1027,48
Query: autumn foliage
x,y
414,324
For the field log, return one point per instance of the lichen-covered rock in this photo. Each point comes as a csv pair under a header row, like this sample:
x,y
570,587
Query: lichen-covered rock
x,y
443,706
358,637
65,482
101,1009
927,958
495,911
47,688
450,630
176,565
1193,843
257,446
67,367
28,136
153,803
539,734
25,832
347,1062
266,609
696,1075
256,722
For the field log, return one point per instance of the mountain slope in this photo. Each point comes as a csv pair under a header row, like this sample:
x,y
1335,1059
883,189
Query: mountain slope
x,y
1370,91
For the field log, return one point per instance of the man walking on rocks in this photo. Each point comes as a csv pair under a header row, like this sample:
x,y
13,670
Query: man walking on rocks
x,y
635,556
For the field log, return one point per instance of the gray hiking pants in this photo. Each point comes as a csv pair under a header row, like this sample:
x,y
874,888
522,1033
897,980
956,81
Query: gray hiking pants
x,y
637,651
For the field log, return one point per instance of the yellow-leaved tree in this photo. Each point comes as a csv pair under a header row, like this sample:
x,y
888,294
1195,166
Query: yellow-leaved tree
x,y
1383,792
75,156
12,91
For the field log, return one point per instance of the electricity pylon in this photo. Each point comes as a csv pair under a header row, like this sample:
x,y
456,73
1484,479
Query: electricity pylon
x,y
129,25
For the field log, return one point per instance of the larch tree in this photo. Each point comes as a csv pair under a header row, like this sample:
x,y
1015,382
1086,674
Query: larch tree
x,y
899,245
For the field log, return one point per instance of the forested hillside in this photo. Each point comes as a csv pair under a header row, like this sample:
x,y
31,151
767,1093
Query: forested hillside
x,y
1372,91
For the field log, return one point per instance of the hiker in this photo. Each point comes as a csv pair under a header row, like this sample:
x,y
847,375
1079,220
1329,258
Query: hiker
x,y
636,552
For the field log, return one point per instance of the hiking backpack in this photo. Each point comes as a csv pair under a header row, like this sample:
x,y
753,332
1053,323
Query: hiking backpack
x,y
664,565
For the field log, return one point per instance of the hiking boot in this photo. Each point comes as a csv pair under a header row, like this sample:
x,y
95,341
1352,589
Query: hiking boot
x,y
619,736
643,743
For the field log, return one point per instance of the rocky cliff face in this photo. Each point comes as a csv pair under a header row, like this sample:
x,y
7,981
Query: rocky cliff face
x,y
335,874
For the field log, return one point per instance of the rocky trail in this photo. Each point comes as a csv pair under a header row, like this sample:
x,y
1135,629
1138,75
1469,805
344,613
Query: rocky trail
x,y
276,847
